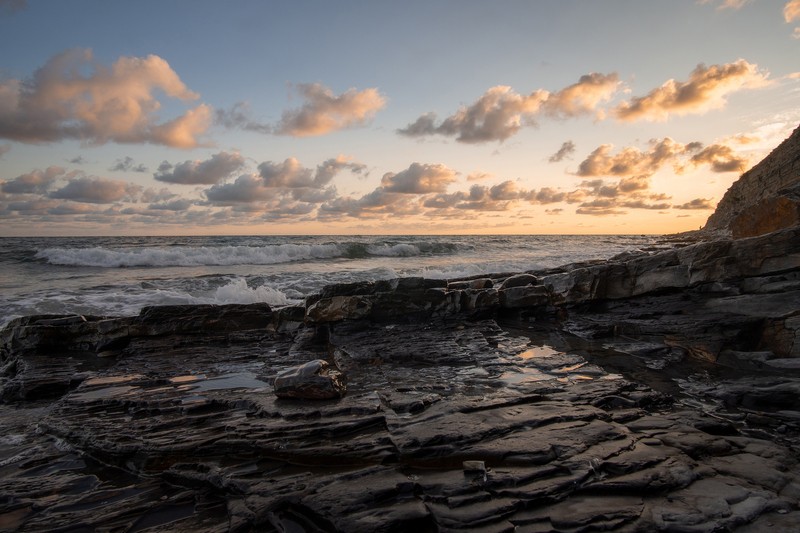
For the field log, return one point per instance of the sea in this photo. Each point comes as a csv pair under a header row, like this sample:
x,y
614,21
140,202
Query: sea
x,y
118,276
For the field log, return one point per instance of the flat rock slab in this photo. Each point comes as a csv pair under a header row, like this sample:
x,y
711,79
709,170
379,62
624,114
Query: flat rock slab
x,y
447,426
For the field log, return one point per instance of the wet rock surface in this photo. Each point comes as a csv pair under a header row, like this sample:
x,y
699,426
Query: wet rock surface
x,y
314,380
448,424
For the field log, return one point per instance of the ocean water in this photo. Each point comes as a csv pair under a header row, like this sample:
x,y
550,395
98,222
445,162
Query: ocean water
x,y
117,276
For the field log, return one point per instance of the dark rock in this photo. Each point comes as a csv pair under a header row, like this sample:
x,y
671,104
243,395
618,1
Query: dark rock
x,y
338,308
475,284
175,319
524,296
311,381
519,280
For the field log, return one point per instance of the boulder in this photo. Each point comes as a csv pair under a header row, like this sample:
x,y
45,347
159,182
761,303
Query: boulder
x,y
519,280
311,381
526,296
339,308
480,283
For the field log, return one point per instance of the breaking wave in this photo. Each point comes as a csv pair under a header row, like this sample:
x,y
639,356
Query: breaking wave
x,y
235,255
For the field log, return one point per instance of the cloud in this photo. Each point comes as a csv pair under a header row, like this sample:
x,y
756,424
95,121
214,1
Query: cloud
x,y
151,195
566,150
419,179
74,97
495,116
376,204
727,4
36,181
324,112
288,181
208,172
179,204
478,176
291,174
500,112
583,97
78,160
642,204
4,149
697,203
239,117
599,208
791,11
97,190
721,158
127,164
330,168
706,89
547,195
247,188
402,193
630,162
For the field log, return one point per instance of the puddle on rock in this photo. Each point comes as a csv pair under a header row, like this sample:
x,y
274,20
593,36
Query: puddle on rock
x,y
242,380
539,351
524,375
187,379
111,380
105,392
186,386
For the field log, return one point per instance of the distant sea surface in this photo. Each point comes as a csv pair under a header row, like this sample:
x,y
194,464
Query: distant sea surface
x,y
117,276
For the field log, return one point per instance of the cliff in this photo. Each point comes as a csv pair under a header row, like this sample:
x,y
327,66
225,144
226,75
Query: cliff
x,y
764,199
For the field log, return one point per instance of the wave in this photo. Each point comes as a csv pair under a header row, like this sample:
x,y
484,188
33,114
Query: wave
x,y
235,255
238,292
129,300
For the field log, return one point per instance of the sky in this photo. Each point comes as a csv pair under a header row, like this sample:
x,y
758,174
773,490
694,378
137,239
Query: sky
x,y
374,117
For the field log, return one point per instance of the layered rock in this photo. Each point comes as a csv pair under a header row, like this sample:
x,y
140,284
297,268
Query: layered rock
x,y
766,198
314,380
447,425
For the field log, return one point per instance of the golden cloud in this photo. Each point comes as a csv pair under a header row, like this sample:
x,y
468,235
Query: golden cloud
x,y
791,11
501,112
633,162
706,89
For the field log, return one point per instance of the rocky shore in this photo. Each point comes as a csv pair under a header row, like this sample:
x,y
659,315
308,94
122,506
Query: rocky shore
x,y
654,391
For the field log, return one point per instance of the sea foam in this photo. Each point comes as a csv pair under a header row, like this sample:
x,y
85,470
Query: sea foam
x,y
233,255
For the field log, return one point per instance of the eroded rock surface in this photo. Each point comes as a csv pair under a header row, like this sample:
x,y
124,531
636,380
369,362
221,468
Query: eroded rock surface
x,y
183,432
314,380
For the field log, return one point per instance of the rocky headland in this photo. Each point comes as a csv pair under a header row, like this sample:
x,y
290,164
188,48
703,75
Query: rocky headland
x,y
655,391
